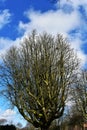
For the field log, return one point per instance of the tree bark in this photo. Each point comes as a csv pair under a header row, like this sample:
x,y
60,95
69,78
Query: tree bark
x,y
44,128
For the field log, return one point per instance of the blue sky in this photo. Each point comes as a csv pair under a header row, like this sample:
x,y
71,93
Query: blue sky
x,y
19,17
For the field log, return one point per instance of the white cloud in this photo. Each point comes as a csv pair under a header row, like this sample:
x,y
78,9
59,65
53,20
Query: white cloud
x,y
6,43
8,115
76,43
4,17
78,3
51,21
12,116
74,3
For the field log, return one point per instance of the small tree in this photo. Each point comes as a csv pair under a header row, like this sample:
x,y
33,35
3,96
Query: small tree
x,y
75,117
80,95
37,76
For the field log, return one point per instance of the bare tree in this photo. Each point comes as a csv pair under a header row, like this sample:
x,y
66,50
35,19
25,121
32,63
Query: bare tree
x,y
37,77
80,94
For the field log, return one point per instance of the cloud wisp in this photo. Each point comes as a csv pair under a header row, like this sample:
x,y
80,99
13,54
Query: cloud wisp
x,y
4,17
6,43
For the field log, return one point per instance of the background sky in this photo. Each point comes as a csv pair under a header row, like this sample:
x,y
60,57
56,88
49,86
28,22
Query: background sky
x,y
19,17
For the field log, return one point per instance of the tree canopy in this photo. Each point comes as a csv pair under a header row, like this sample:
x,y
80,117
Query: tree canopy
x,y
37,76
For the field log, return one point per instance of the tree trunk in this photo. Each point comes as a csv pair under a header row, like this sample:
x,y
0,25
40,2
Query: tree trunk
x,y
44,128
